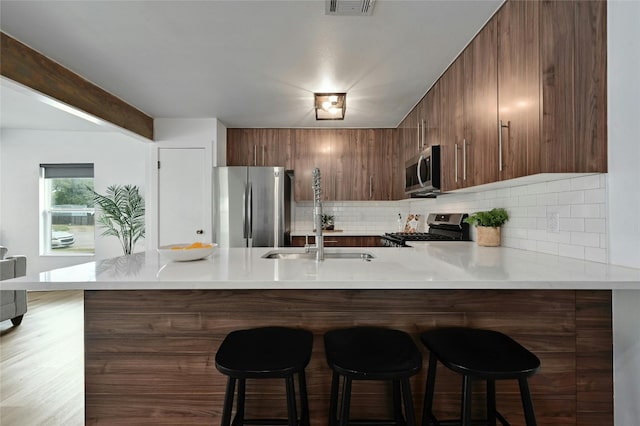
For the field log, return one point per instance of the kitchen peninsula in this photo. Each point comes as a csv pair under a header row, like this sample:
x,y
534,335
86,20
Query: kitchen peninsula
x,y
152,328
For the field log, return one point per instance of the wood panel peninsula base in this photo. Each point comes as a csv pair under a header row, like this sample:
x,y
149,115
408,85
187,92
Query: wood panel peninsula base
x,y
149,354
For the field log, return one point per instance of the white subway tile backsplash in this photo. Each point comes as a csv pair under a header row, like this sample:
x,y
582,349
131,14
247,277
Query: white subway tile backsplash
x,y
517,212
538,211
579,202
585,182
595,196
517,191
585,210
571,197
537,188
585,239
595,225
547,247
604,241
568,250
559,186
595,254
550,199
530,245
572,224
528,200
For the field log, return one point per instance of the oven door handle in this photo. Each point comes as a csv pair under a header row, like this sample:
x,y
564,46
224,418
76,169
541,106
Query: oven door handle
x,y
418,170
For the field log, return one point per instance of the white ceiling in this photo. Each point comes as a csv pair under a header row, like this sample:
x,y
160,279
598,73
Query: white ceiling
x,y
249,63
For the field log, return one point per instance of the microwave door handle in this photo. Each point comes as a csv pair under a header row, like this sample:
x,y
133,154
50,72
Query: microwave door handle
x,y
418,170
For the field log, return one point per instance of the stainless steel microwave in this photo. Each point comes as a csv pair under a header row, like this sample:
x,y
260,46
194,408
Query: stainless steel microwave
x,y
422,173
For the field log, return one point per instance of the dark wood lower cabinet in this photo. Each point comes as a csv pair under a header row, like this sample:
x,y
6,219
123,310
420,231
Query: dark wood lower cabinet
x,y
149,355
341,241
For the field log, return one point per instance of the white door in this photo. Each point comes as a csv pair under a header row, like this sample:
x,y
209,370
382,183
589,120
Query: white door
x,y
184,203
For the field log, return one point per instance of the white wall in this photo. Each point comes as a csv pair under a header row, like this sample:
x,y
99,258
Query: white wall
x,y
623,94
118,159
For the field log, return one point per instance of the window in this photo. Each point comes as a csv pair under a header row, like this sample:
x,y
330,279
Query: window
x,y
67,215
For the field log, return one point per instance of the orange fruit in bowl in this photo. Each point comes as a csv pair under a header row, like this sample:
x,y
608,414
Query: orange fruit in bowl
x,y
196,245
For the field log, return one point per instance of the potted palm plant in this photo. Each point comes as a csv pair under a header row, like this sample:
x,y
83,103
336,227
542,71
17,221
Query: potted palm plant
x,y
488,225
122,214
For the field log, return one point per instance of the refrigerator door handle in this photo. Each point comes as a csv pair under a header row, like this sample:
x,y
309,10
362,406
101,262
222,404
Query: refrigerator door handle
x,y
250,210
245,230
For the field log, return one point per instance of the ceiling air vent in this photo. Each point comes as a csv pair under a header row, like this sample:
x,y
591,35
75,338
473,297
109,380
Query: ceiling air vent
x,y
349,7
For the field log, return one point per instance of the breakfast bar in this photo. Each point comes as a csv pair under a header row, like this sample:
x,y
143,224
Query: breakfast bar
x,y
152,327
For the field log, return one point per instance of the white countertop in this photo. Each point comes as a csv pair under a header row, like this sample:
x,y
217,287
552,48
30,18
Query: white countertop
x,y
436,265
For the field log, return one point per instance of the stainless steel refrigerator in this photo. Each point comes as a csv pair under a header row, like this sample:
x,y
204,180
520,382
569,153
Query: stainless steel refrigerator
x,y
252,206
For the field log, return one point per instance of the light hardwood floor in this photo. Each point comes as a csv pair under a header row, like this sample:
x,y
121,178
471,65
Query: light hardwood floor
x,y
42,362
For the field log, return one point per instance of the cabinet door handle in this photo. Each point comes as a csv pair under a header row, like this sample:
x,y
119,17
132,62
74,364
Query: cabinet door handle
x,y
424,133
464,159
419,134
263,149
255,156
500,127
455,161
370,187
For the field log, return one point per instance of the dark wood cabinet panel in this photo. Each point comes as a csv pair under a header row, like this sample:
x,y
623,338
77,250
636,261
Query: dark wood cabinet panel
x,y
356,164
590,94
148,354
410,141
557,35
259,147
431,125
452,124
573,61
519,88
535,76
381,172
332,240
312,148
481,107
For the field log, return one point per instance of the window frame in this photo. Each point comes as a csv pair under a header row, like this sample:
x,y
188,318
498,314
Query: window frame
x,y
49,172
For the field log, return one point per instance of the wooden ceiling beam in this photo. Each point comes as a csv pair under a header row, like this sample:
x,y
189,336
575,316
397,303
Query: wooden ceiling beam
x,y
24,65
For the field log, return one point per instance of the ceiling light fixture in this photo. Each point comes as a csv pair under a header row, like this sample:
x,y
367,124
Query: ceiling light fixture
x,y
330,106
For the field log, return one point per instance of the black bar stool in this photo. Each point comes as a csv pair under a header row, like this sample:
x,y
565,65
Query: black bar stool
x,y
478,354
267,352
371,353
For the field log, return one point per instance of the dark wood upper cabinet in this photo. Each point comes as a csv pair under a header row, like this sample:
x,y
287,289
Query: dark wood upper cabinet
x,y
452,123
410,139
533,95
573,63
526,96
259,147
312,148
356,164
432,125
480,147
518,89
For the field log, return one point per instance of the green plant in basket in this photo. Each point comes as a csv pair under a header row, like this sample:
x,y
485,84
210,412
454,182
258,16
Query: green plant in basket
x,y
492,218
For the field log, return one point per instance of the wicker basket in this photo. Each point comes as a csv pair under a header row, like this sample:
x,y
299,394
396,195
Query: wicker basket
x,y
488,236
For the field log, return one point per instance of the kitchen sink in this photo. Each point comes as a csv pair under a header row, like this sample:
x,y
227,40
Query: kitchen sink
x,y
297,255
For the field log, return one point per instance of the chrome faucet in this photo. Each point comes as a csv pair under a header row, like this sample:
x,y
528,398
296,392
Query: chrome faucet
x,y
318,247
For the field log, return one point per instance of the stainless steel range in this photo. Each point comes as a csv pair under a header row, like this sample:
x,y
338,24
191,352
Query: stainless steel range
x,y
442,227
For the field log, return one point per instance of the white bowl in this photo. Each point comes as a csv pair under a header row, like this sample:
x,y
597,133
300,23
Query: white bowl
x,y
179,252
